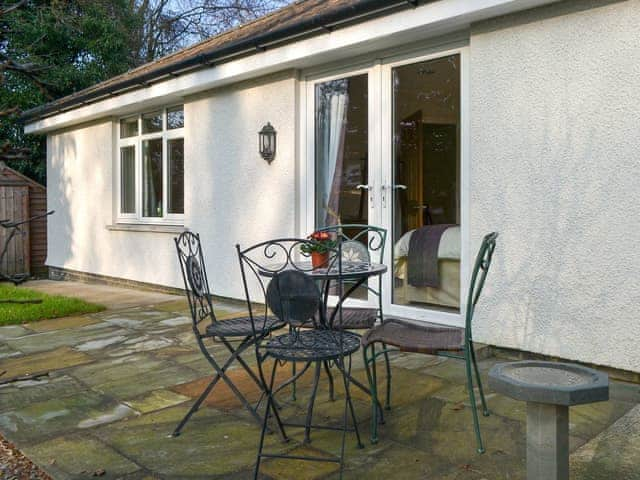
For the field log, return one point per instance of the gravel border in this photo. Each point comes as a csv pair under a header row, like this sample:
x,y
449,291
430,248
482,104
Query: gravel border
x,y
15,466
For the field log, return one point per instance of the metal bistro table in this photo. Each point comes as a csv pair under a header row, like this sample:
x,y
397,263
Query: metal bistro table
x,y
355,274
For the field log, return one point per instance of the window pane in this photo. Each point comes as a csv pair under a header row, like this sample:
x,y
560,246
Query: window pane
x,y
152,122
128,127
128,180
152,177
175,182
175,117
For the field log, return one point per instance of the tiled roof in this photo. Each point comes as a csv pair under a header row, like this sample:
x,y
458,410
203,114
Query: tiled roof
x,y
302,18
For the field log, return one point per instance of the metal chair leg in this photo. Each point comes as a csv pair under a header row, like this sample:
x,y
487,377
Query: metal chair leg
x,y
472,400
196,406
263,431
388,367
220,374
345,377
344,421
374,395
314,391
293,384
332,396
485,409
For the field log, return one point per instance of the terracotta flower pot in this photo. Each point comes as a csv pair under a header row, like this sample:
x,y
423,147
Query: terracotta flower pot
x,y
319,260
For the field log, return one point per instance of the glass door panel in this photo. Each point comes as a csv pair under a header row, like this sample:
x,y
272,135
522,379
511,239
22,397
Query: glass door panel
x,y
425,189
341,150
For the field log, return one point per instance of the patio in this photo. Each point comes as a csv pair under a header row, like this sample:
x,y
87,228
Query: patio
x,y
108,388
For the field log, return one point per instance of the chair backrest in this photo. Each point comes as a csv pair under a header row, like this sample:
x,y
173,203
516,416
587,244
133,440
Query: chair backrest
x,y
194,274
478,276
371,237
276,276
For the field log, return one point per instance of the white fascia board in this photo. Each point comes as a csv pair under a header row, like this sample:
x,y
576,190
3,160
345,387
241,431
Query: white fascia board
x,y
423,22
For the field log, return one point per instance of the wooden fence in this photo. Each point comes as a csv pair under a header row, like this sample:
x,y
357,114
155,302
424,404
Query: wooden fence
x,y
14,204
20,199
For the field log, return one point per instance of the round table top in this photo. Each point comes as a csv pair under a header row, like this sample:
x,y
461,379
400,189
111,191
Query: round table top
x,y
350,270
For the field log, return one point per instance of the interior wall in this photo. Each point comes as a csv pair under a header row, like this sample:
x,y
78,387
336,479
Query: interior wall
x,y
554,169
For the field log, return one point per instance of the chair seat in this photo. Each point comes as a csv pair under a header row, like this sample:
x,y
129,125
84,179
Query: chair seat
x,y
410,337
241,327
356,318
312,345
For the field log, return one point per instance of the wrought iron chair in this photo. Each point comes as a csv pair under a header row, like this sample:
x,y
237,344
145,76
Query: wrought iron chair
x,y
236,329
359,242
435,340
275,273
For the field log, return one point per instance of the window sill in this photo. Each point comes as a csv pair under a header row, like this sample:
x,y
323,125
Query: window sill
x,y
143,227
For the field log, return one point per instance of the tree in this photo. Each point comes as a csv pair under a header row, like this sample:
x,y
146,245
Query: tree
x,y
169,25
49,49
52,48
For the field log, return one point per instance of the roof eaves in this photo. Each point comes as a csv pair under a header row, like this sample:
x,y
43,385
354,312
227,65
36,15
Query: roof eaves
x,y
350,13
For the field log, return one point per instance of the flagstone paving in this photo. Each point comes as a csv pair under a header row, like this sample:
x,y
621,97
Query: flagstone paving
x,y
98,395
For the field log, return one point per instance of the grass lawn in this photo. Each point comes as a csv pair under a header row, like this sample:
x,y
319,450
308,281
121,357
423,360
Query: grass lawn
x,y
52,306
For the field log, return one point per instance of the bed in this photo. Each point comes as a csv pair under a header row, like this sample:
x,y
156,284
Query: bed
x,y
448,295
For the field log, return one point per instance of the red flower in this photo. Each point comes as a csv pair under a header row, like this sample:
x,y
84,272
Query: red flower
x,y
320,236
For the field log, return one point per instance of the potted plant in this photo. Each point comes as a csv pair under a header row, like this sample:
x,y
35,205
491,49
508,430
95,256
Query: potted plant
x,y
319,248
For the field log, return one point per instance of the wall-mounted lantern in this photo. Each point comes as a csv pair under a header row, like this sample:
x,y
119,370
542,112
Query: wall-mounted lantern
x,y
267,142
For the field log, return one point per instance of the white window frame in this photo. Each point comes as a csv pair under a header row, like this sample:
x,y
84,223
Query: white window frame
x,y
136,141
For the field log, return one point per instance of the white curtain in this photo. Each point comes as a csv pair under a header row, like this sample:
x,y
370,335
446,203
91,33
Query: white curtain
x,y
333,153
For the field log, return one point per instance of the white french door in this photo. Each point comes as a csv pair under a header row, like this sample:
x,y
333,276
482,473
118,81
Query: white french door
x,y
386,144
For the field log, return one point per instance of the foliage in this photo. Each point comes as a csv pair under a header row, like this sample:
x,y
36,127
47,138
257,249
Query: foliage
x,y
321,242
49,49
52,306
169,25
52,48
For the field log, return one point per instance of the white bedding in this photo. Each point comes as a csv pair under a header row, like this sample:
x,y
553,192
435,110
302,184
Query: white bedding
x,y
448,249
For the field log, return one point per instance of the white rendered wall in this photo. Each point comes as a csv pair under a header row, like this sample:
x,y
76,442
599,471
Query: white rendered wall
x,y
231,194
237,196
555,168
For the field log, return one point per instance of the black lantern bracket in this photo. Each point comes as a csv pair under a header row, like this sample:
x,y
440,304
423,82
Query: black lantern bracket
x,y
267,142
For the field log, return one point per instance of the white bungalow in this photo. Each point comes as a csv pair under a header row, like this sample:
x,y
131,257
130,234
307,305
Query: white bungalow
x,y
519,116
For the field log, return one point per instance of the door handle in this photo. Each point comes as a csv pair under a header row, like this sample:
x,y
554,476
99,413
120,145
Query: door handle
x,y
399,187
369,188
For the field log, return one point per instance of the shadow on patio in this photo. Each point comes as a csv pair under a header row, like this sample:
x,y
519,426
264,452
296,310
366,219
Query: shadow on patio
x,y
106,389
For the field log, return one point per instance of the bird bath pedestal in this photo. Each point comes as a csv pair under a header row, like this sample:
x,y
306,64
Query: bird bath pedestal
x,y
549,389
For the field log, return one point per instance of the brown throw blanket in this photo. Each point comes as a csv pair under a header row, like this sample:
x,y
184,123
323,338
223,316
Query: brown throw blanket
x,y
422,268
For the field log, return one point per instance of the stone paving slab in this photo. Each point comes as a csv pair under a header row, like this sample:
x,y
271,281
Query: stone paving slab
x,y
61,323
156,400
110,400
131,376
6,351
40,342
13,331
42,362
48,387
79,457
34,422
212,444
109,296
612,454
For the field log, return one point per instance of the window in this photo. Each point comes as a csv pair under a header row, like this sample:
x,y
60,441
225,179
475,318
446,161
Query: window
x,y
151,167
